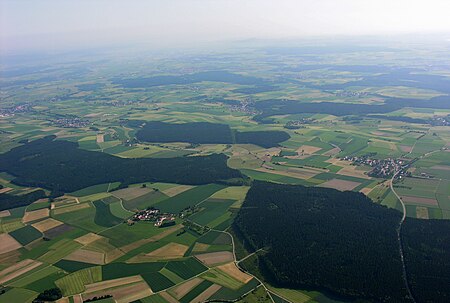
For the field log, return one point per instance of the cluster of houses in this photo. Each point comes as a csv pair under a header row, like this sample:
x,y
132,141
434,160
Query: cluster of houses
x,y
349,93
440,121
155,215
71,122
11,111
381,168
295,124
245,106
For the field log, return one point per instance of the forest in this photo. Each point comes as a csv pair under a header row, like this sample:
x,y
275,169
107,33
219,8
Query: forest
x,y
426,244
280,107
8,201
63,167
207,133
341,242
212,76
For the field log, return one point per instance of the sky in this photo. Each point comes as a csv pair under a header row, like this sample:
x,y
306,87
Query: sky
x,y
48,24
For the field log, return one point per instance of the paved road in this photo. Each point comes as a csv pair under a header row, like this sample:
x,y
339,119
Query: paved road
x,y
399,237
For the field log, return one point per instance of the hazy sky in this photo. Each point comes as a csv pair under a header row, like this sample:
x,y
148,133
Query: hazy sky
x,y
70,23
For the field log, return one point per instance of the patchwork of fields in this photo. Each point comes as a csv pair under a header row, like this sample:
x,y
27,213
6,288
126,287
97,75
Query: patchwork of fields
x,y
101,255
81,154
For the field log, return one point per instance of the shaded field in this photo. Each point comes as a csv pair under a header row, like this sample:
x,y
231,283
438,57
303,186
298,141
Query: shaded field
x,y
26,234
103,215
188,198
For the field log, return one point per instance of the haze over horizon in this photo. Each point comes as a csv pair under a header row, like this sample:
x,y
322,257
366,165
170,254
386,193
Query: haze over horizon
x,y
48,25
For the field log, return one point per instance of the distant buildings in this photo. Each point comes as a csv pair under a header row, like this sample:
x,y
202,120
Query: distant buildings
x,y
71,122
381,168
11,111
154,214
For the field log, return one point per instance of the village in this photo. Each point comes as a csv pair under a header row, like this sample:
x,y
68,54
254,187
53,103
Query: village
x,y
245,106
153,215
11,111
297,124
381,168
71,122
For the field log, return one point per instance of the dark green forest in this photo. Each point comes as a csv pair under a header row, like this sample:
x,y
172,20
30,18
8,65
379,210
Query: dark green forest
x,y
343,243
273,107
196,132
426,245
63,167
211,76
207,133
8,201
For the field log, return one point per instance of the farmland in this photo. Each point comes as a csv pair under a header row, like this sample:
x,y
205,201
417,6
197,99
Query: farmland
x,y
202,138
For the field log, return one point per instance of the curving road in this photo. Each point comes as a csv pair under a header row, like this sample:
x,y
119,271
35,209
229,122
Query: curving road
x,y
240,268
399,237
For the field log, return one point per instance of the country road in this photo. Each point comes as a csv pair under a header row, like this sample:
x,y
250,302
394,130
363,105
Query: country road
x,y
240,268
399,238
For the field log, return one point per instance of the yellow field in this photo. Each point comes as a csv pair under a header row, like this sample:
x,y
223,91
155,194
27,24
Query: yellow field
x,y
207,293
173,191
168,297
46,224
4,213
36,215
237,193
182,289
232,270
5,189
100,138
353,172
169,251
112,283
307,149
214,258
134,245
131,192
8,243
127,293
87,256
88,238
294,172
422,212
17,270
332,152
200,247
341,185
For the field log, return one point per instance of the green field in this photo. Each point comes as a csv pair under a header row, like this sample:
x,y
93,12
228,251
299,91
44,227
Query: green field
x,y
196,291
26,234
104,216
188,198
59,250
219,277
18,295
75,282
211,209
186,269
95,189
157,281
